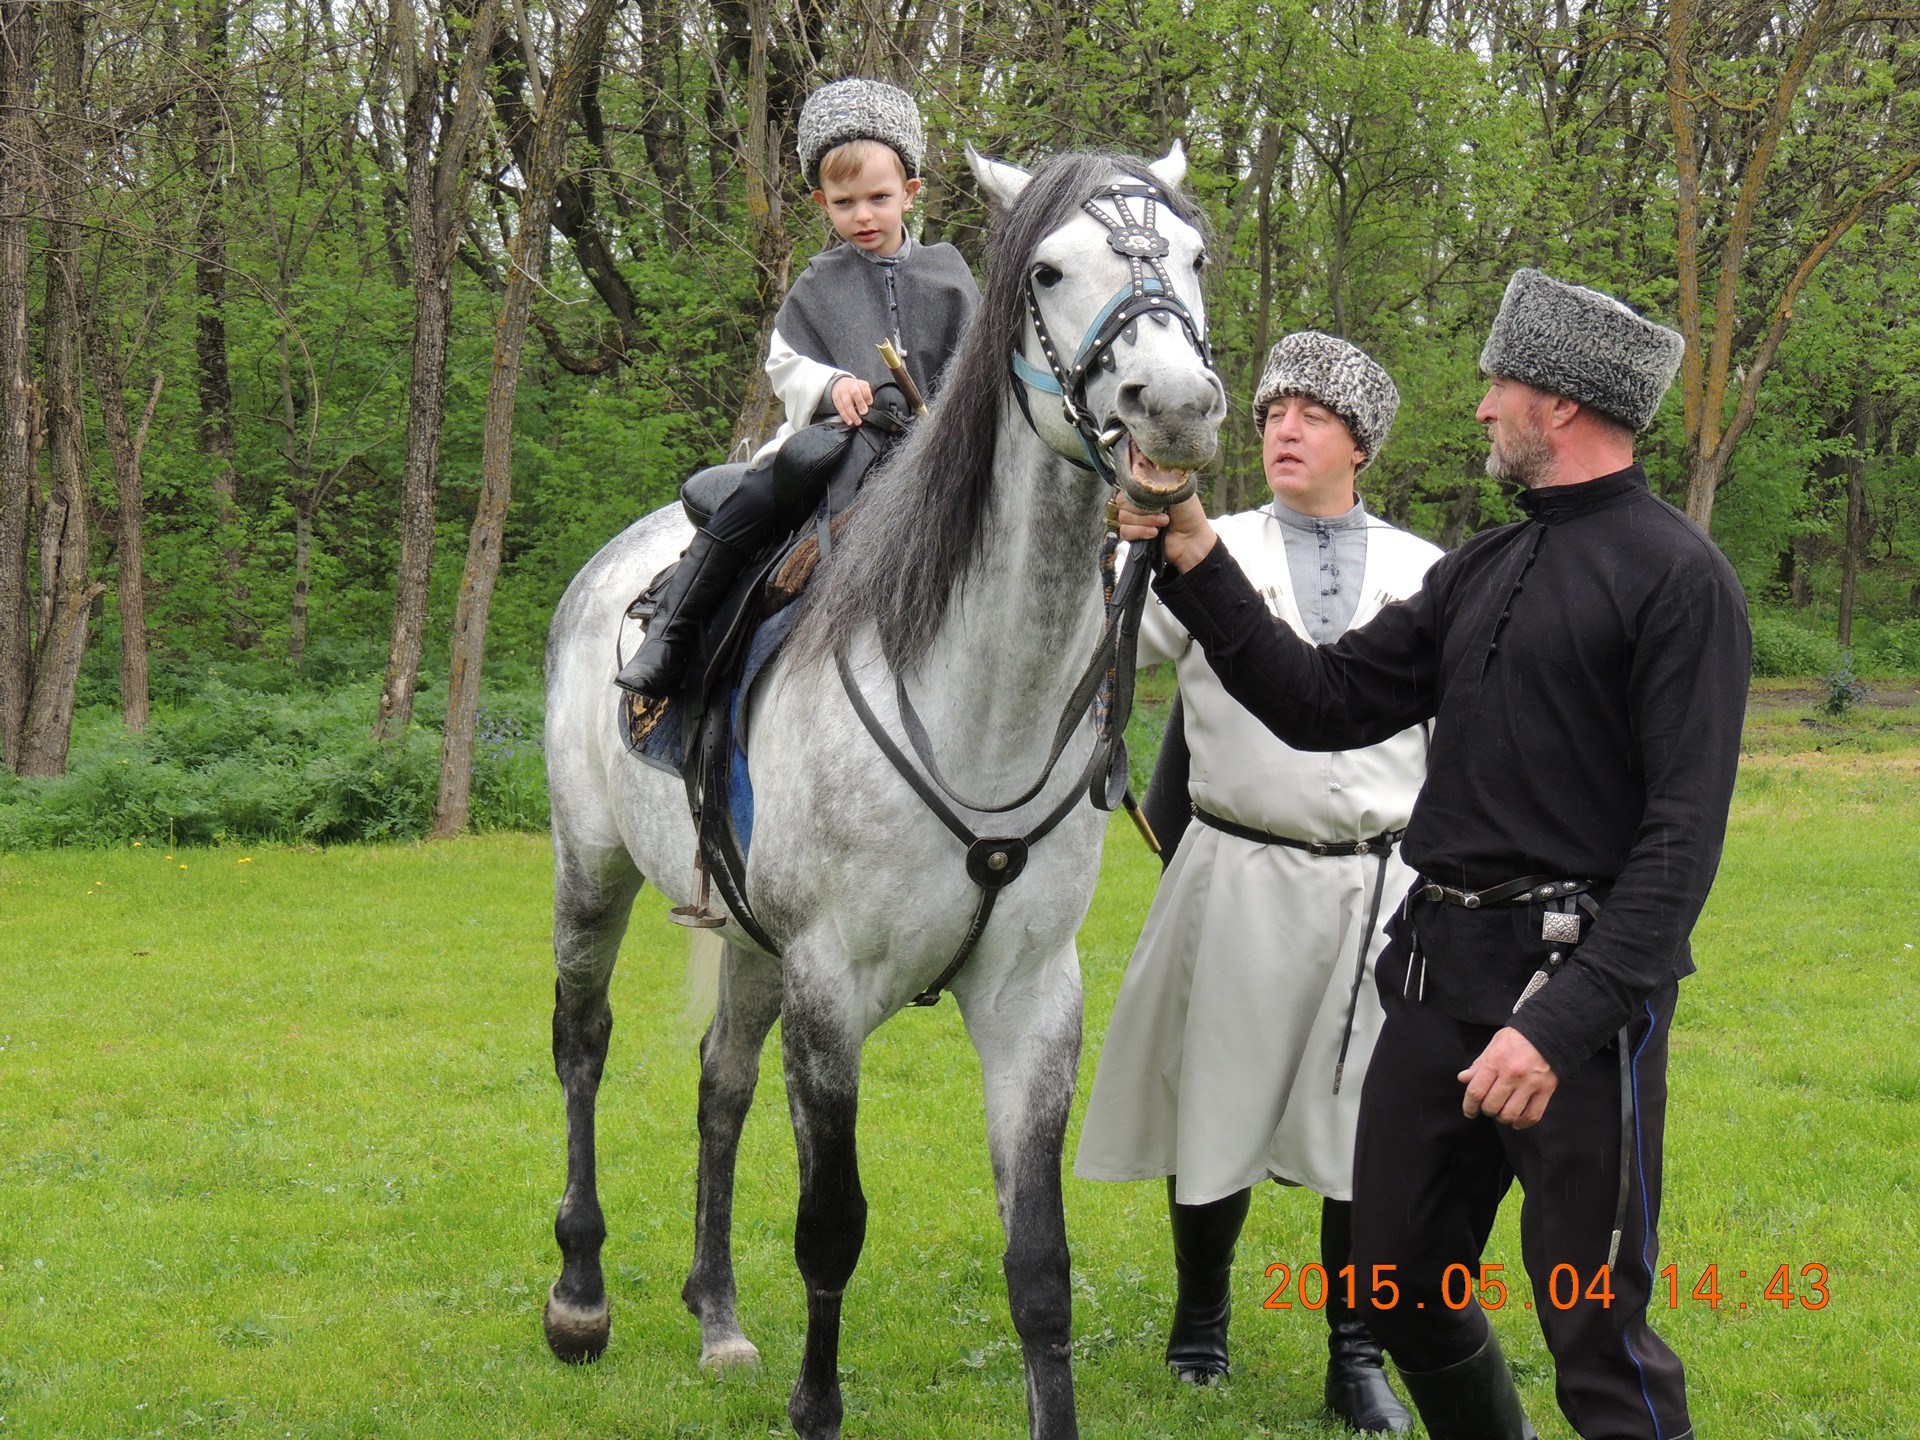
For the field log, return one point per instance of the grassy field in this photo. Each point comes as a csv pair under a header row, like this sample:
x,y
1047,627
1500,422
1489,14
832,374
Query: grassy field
x,y
280,1145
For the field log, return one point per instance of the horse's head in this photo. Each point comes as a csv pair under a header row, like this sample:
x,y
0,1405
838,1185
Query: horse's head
x,y
1114,339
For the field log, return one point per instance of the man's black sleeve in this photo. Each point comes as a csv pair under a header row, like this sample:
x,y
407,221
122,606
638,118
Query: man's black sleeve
x,y
1367,686
1687,698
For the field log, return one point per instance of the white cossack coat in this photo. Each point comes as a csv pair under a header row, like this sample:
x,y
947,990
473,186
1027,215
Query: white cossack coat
x,y
1218,1065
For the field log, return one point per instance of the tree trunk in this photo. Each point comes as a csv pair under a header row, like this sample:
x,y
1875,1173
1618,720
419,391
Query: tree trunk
x,y
531,243
1862,427
17,404
303,508
125,446
210,147
435,202
760,415
67,595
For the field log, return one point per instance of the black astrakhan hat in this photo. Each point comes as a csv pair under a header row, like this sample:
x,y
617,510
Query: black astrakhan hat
x,y
859,109
1584,345
1336,374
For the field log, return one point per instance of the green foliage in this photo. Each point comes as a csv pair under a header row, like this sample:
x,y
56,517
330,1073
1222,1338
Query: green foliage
x,y
1892,649
228,764
1783,649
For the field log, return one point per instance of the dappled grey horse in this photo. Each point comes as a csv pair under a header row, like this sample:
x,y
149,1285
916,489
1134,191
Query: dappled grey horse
x,y
967,580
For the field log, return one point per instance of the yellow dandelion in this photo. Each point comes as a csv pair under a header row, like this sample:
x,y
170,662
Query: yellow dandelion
x,y
244,860
136,844
183,867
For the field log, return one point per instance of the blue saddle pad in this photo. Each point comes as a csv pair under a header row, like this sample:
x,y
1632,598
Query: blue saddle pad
x,y
663,746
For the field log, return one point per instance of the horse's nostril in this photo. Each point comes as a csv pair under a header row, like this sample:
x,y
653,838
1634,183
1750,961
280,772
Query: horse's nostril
x,y
1132,398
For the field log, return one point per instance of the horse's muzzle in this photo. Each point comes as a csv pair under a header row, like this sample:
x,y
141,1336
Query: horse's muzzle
x,y
1147,485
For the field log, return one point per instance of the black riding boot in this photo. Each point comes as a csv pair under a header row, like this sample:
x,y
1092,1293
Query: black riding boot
x,y
1357,1388
706,571
1471,1400
1203,1240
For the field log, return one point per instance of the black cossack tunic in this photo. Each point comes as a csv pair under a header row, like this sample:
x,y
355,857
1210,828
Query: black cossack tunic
x,y
1586,670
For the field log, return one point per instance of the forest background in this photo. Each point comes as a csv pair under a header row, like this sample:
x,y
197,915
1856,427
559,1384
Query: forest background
x,y
304,427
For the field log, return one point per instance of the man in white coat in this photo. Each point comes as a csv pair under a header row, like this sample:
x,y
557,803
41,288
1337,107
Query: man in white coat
x,y
1248,1013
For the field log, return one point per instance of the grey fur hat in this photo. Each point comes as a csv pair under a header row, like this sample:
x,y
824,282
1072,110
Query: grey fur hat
x,y
1584,345
859,109
1336,374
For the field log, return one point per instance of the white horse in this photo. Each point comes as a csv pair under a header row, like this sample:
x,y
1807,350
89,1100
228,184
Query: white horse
x,y
969,570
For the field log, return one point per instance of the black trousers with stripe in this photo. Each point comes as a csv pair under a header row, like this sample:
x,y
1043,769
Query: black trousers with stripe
x,y
1428,1182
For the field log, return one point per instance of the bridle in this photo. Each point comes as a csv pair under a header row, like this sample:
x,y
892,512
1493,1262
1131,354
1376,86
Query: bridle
x,y
1148,292
1106,685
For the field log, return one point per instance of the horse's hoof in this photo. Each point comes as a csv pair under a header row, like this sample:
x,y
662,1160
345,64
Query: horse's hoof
x,y
726,1356
575,1334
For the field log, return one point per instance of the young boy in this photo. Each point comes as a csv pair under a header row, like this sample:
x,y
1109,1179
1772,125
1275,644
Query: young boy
x,y
860,148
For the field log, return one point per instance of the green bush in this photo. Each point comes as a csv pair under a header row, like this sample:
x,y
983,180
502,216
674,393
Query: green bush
x,y
1782,649
1892,649
233,764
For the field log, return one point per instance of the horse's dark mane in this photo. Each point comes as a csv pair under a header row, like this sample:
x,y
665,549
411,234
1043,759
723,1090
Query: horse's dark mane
x,y
923,514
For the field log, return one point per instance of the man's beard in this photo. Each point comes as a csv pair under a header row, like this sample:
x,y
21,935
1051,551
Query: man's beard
x,y
1521,455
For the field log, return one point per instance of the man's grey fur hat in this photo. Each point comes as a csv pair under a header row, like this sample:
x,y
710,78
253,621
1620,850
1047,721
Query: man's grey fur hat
x,y
1333,373
859,109
1584,345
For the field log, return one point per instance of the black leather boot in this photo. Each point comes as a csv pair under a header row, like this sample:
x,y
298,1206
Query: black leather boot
x,y
1471,1400
1203,1241
706,571
1357,1389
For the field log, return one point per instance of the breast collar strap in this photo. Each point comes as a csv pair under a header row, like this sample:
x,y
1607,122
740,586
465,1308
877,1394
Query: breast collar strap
x,y
1149,292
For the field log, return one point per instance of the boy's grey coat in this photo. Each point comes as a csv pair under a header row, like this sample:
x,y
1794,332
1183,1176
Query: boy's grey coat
x,y
821,316
1584,345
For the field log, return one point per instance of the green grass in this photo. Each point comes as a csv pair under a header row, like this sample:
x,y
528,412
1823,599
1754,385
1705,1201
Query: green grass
x,y
280,1145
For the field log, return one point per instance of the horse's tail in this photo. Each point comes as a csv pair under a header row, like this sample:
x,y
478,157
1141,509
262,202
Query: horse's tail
x,y
705,952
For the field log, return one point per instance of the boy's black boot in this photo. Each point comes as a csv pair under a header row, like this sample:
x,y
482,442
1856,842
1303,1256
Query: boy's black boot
x,y
706,572
1203,1241
1357,1389
1471,1400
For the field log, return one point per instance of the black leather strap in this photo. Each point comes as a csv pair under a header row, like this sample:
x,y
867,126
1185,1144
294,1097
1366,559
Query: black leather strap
x,y
1527,890
992,864
1381,844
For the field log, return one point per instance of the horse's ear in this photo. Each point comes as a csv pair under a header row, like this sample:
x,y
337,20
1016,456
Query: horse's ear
x,y
1171,168
1001,182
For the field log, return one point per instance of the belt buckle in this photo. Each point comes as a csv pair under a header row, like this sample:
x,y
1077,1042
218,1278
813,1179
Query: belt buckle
x,y
1560,927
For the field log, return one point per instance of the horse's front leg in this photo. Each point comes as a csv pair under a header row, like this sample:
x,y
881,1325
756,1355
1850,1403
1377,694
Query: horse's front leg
x,y
821,1052
590,910
729,1070
1026,1028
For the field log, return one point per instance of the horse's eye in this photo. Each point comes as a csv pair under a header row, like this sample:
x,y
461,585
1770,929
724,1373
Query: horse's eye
x,y
1200,263
1046,276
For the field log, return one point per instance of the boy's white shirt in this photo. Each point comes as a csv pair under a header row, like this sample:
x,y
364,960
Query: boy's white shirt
x,y
800,382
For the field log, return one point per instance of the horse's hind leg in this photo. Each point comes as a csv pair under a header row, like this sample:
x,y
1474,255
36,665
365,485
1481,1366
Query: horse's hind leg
x,y
1028,1038
593,896
820,1046
729,1070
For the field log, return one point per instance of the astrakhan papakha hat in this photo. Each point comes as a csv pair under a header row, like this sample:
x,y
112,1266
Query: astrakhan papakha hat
x,y
1336,374
859,109
1584,345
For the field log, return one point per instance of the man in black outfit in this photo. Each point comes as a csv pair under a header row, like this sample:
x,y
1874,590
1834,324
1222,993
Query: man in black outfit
x,y
1586,673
